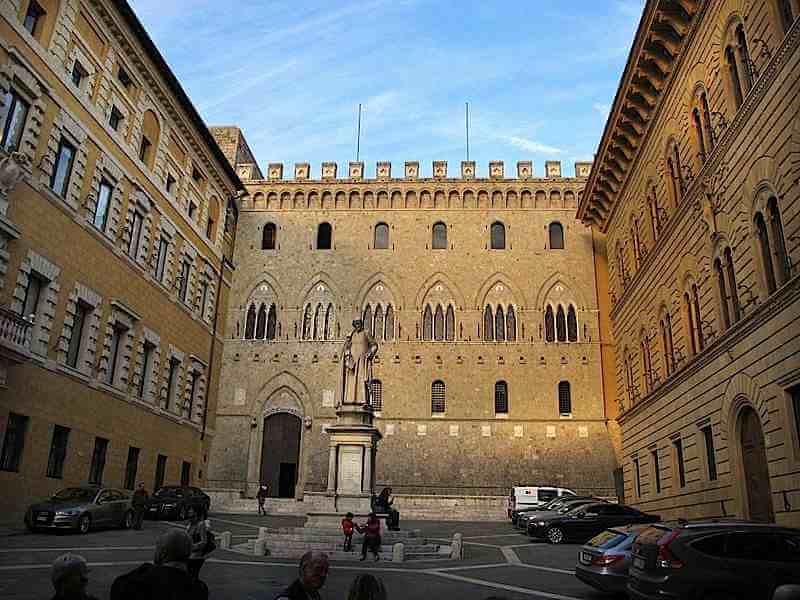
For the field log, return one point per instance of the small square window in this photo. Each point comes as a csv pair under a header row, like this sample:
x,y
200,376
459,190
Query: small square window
x,y
124,78
197,175
170,183
78,74
192,210
33,18
115,119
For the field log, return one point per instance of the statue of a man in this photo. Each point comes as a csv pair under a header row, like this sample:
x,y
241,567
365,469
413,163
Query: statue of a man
x,y
359,350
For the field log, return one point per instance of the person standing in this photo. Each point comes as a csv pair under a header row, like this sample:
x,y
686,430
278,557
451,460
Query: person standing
x,y
70,576
198,533
261,496
347,529
372,536
314,567
139,503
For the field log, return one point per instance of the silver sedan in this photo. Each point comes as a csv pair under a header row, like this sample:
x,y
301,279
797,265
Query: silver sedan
x,y
82,508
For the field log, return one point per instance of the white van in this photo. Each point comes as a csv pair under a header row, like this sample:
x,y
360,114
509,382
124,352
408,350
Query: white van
x,y
532,497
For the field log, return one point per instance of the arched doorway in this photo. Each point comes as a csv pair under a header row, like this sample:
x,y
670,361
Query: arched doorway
x,y
280,454
754,466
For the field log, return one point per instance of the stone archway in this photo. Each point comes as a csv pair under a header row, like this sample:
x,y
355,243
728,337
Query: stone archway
x,y
280,454
754,469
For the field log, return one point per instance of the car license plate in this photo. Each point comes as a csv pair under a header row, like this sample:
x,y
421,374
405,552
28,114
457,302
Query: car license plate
x,y
638,562
586,558
153,509
41,518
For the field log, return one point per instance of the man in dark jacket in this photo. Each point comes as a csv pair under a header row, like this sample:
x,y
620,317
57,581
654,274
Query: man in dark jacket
x,y
167,579
313,572
139,503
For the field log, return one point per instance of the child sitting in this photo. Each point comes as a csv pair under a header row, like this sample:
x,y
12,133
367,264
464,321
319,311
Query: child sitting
x,y
347,529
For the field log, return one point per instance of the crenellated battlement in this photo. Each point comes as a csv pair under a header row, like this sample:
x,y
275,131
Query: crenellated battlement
x,y
411,171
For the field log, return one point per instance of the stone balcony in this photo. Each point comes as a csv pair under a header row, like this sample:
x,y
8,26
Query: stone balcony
x,y
15,341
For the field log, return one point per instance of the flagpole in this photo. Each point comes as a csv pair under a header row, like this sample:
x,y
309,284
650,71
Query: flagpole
x,y
358,138
467,122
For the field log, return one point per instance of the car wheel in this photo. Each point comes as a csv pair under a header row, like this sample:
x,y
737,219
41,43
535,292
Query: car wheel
x,y
555,535
84,524
127,521
182,513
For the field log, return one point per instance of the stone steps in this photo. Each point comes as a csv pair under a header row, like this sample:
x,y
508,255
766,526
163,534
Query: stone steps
x,y
307,532
296,550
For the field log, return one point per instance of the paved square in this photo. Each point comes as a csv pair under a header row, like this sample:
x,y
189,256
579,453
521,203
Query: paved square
x,y
498,561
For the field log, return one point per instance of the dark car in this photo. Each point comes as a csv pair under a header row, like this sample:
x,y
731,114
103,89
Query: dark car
x,y
81,509
714,559
604,560
526,519
515,514
177,502
584,522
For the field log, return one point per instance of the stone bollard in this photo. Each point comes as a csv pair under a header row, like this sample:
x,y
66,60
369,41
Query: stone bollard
x,y
398,552
260,547
225,540
457,547
262,533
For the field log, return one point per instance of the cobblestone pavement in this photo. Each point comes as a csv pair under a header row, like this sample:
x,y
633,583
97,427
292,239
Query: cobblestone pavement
x,y
498,561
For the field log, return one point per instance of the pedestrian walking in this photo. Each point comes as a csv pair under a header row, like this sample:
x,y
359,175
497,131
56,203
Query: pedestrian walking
x,y
367,587
314,567
199,535
372,536
139,503
347,529
70,576
261,496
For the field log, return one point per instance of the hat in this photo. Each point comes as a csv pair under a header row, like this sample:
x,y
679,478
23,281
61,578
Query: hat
x,y
67,564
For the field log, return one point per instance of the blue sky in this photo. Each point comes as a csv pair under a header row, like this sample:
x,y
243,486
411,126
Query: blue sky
x,y
539,78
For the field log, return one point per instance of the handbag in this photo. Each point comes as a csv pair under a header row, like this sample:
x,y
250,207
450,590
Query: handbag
x,y
211,543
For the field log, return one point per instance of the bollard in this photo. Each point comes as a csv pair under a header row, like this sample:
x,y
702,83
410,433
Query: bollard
x,y
260,547
225,540
262,533
457,547
398,552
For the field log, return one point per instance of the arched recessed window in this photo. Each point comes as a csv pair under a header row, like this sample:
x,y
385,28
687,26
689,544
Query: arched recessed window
x,y
735,309
723,295
439,236
564,398
318,322
709,130
688,314
781,259
261,323
488,324
269,237
498,235
698,319
786,12
626,362
499,325
438,400
427,323
272,322
734,79
381,236
699,134
621,272
511,325
250,323
637,247
389,324
561,324
744,59
326,333
324,236
674,172
151,133
450,324
549,325
377,395
438,324
368,322
307,322
647,367
667,346
379,324
762,236
556,231
501,398
655,216
572,324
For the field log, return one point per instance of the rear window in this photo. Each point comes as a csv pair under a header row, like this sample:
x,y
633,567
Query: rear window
x,y
652,534
547,495
608,539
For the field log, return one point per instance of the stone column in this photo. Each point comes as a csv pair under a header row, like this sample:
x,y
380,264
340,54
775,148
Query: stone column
x,y
332,470
366,481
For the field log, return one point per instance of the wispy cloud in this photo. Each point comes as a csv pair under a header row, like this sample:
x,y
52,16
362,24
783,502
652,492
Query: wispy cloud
x,y
532,146
602,108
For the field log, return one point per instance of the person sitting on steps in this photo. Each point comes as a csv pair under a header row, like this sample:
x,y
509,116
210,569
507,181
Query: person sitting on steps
x,y
383,503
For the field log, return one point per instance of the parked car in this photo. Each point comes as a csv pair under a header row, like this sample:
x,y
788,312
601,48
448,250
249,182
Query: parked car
x,y
515,514
585,521
81,508
534,496
714,559
604,560
563,507
177,502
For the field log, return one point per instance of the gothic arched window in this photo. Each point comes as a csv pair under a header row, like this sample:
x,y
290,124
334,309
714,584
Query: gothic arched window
x,y
778,242
450,324
378,333
499,325
326,334
318,322
549,325
389,324
511,325
501,398
250,323
381,236
439,236
261,323
427,323
488,324
438,324
272,320
561,324
269,237
762,236
307,323
498,236
725,317
324,236
368,324
690,325
556,231
572,324
736,311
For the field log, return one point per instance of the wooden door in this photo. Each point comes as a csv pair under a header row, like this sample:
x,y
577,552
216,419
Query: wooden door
x,y
756,472
280,446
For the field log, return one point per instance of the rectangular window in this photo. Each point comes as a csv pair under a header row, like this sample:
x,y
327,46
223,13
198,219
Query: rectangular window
x,y
78,74
136,235
123,77
82,311
192,210
795,394
209,227
184,287
637,478
15,121
58,452
13,442
131,467
144,149
117,336
170,183
115,118
203,298
33,293
33,18
100,219
195,376
377,395
186,473
62,169
656,471
161,258
98,461
172,380
678,445
161,468
197,175
147,366
711,456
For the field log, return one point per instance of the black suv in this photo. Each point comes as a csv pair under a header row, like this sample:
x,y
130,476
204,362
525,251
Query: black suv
x,y
177,502
712,560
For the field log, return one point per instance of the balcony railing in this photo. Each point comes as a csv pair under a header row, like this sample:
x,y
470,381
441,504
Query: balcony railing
x,y
15,335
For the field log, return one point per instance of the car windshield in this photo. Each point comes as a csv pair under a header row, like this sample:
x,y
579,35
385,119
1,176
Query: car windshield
x,y
574,509
79,494
169,492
